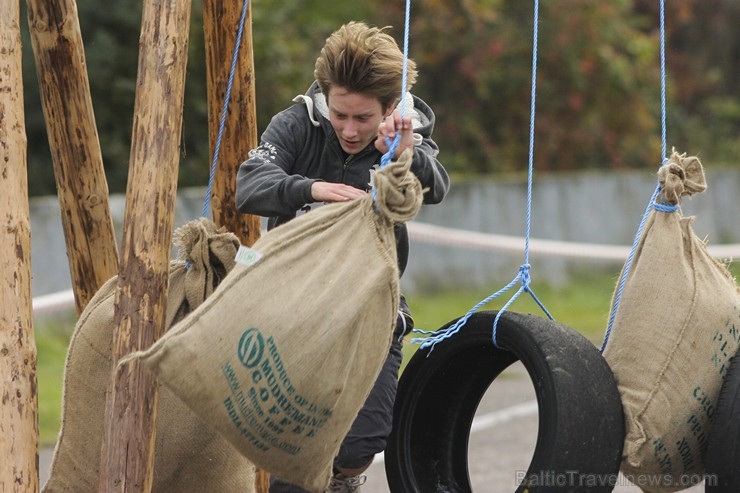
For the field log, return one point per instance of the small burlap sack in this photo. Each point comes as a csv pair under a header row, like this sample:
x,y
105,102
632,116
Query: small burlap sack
x,y
189,456
283,355
676,328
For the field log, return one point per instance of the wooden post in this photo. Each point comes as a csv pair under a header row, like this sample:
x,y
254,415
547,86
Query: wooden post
x,y
127,456
220,24
75,148
19,445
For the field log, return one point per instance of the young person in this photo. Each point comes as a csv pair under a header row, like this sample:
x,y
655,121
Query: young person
x,y
322,150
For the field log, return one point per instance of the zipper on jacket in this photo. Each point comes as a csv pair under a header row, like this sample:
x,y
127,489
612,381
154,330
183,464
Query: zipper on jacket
x,y
345,165
351,158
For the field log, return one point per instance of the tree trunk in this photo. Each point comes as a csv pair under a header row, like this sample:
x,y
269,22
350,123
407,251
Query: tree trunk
x,y
75,148
127,457
220,24
19,444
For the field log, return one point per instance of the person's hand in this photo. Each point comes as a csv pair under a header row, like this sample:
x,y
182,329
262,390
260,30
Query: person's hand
x,y
388,128
323,191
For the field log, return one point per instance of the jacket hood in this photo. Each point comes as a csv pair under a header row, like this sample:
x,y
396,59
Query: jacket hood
x,y
318,109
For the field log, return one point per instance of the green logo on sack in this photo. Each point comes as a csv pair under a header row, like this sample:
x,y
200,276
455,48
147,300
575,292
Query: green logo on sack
x,y
251,347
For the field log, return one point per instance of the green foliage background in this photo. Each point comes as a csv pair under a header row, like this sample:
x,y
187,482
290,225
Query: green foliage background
x,y
597,90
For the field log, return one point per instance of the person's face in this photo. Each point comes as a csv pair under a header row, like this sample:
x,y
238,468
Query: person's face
x,y
355,118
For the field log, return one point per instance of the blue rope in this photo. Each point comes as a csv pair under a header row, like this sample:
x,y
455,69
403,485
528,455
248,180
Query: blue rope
x,y
626,270
224,111
663,132
523,275
652,204
393,143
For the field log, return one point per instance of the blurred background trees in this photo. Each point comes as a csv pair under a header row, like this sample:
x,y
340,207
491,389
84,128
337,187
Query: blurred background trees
x,y
598,88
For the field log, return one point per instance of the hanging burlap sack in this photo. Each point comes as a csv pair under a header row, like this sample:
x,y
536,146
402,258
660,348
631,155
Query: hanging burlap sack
x,y
283,355
189,456
676,328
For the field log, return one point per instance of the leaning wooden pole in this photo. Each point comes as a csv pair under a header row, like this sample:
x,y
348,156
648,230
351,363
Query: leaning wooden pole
x,y
127,456
75,148
19,445
220,24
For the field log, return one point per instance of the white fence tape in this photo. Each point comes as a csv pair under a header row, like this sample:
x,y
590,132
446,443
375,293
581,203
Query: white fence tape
x,y
458,238
54,302
440,235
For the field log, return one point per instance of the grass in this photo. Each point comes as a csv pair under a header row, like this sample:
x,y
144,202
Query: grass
x,y
582,305
52,340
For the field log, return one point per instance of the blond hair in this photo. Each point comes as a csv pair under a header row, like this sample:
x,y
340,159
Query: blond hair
x,y
364,60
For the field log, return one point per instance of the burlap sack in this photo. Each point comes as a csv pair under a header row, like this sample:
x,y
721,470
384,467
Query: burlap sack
x,y
283,355
676,328
189,456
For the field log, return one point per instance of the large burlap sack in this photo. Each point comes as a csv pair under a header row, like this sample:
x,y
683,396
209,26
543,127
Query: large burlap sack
x,y
189,456
676,328
283,355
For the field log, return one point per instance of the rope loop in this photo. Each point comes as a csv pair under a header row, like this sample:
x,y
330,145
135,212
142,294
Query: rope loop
x,y
663,207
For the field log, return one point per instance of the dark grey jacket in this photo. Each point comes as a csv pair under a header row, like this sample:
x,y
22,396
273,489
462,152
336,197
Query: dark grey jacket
x,y
300,146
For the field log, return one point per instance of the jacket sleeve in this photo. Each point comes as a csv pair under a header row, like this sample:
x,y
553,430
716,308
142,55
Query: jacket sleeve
x,y
430,171
425,165
265,185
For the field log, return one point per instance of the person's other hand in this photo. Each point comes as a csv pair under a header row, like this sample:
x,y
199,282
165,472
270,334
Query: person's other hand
x,y
323,191
394,123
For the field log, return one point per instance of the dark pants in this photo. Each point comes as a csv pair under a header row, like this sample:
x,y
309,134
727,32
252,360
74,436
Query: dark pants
x,y
371,427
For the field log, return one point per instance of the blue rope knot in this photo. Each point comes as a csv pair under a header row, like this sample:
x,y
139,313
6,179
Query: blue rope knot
x,y
524,275
663,207
526,280
439,336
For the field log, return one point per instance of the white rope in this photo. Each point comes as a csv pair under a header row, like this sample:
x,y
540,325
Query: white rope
x,y
439,235
458,238
54,302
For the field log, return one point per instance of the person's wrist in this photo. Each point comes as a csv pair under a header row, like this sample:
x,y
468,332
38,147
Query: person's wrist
x,y
400,150
312,191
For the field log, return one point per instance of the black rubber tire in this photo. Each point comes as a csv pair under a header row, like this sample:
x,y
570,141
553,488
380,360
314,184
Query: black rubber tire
x,y
723,448
581,425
